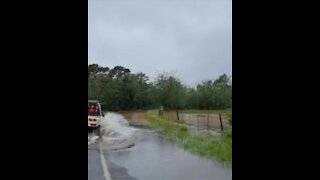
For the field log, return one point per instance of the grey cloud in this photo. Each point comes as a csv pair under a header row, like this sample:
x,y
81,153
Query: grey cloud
x,y
191,39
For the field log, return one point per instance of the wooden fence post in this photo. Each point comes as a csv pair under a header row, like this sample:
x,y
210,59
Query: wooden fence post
x,y
208,122
197,122
221,125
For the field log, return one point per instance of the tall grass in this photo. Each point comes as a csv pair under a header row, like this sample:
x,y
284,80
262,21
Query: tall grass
x,y
219,148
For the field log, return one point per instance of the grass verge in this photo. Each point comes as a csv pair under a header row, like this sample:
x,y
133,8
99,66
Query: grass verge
x,y
219,148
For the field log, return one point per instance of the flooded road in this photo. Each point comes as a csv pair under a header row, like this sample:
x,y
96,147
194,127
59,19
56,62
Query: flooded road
x,y
149,157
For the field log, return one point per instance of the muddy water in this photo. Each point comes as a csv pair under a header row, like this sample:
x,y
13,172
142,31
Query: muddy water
x,y
151,156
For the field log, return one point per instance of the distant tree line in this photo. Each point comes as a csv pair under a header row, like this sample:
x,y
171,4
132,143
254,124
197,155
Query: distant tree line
x,y
119,89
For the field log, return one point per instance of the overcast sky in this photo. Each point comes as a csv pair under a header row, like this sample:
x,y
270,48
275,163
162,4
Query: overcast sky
x,y
190,39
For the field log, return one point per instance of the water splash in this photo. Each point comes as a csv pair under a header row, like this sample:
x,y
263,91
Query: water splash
x,y
115,133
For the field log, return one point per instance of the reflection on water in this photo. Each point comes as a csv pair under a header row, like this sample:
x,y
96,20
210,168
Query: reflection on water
x,y
154,157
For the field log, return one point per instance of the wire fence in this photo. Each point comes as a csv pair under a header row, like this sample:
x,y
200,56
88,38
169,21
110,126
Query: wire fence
x,y
199,121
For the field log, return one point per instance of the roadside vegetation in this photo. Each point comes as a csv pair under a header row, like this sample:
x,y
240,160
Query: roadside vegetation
x,y
119,89
204,144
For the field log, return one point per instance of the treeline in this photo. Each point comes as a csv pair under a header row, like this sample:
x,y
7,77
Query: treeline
x,y
119,89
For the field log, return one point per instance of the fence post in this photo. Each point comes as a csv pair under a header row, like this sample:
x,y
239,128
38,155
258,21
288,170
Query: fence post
x,y
178,118
221,125
208,122
197,122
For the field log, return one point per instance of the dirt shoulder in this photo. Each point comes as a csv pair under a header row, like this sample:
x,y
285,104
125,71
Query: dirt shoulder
x,y
135,118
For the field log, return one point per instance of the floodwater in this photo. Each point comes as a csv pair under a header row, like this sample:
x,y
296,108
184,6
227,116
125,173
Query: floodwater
x,y
146,155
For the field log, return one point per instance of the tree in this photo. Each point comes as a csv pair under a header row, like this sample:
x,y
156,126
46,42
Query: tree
x,y
171,92
119,89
